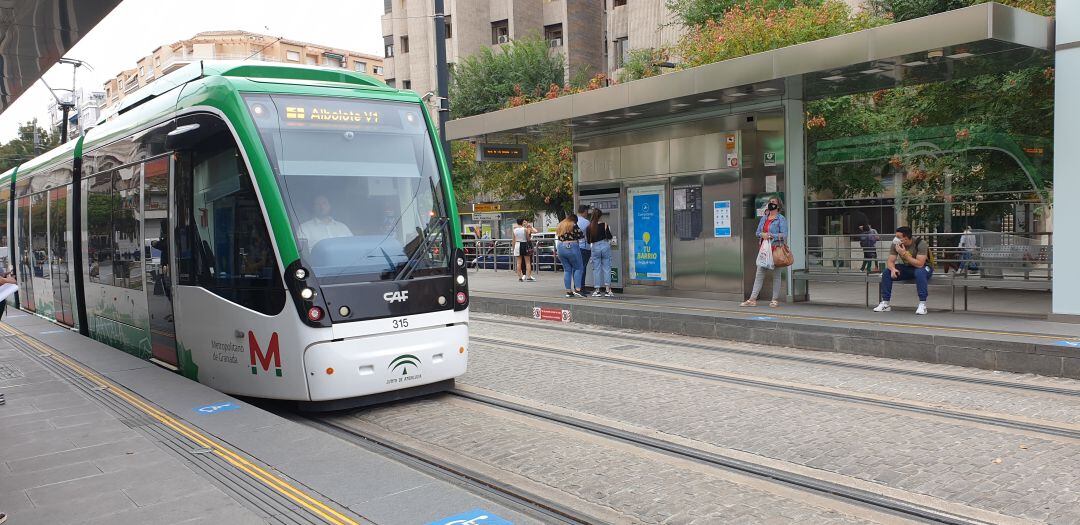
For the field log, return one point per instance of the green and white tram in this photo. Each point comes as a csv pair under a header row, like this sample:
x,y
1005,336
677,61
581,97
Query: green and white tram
x,y
268,230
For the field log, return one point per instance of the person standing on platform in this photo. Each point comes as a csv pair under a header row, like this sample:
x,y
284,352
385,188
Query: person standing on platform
x,y
7,278
907,261
868,238
523,250
583,224
773,229
599,236
569,235
967,249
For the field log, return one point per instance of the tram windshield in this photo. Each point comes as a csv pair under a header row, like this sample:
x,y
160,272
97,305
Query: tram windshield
x,y
361,183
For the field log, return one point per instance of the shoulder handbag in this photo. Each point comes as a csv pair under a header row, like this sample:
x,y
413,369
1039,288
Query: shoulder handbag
x,y
782,256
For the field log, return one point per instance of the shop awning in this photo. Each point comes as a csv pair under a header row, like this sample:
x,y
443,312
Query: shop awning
x,y
986,38
35,34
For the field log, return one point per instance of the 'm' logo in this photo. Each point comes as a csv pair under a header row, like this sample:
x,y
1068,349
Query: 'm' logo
x,y
403,362
396,297
272,352
294,113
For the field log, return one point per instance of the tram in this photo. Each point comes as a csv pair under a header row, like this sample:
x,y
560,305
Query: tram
x,y
269,230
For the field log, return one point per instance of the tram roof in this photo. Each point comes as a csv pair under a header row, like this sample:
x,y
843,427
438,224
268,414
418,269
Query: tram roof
x,y
981,39
160,97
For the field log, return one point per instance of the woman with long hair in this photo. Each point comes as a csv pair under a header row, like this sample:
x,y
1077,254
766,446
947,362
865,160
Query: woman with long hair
x,y
599,236
772,229
569,248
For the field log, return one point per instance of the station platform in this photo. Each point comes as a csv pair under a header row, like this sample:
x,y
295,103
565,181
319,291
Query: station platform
x,y
90,434
1021,344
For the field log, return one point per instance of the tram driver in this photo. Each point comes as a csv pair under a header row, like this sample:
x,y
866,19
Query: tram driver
x,y
322,225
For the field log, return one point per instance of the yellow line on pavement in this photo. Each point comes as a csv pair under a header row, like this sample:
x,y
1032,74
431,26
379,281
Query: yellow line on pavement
x,y
771,313
279,485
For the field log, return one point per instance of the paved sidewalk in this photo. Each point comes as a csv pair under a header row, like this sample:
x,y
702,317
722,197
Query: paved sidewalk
x,y
66,459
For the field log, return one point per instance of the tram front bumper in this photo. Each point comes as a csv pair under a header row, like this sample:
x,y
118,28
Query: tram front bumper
x,y
379,363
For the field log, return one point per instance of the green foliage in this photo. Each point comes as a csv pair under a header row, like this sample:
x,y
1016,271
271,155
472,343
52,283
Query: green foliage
x,y
642,64
545,183
485,81
22,148
908,9
693,13
745,30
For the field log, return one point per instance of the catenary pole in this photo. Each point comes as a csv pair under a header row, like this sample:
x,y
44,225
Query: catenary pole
x,y
442,74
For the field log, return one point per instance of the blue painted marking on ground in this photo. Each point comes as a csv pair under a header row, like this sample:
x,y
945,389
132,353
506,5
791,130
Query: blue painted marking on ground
x,y
1074,344
473,517
762,318
217,407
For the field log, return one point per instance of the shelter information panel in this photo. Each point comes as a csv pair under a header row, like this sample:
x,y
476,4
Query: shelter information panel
x,y
647,225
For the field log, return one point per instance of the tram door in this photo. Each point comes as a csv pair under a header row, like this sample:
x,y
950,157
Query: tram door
x,y
157,259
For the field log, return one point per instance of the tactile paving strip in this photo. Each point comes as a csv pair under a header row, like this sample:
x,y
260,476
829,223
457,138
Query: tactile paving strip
x,y
247,490
9,371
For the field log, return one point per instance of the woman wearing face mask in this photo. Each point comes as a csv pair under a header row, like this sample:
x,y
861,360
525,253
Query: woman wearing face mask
x,y
773,229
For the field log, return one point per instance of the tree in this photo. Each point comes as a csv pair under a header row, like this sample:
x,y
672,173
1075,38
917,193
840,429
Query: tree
x,y
487,80
901,10
643,63
23,148
747,29
544,183
695,13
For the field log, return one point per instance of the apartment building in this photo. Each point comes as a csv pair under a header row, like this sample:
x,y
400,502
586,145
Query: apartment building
x,y
233,45
573,27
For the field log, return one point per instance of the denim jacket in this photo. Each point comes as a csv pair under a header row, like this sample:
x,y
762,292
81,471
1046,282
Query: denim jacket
x,y
778,228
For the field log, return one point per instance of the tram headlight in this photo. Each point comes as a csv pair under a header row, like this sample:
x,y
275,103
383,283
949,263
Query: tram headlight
x,y
461,279
442,300
315,314
300,274
461,261
307,293
461,298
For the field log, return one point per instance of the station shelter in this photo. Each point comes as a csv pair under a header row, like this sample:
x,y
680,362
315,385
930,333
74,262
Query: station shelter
x,y
683,162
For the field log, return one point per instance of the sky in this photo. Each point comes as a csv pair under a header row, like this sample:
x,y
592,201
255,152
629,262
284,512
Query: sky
x,y
137,27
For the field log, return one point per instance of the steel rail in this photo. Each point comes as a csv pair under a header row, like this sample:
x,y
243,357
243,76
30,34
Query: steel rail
x,y
545,510
866,498
563,328
801,390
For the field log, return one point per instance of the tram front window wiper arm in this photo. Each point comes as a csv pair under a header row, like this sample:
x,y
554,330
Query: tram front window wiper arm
x,y
437,227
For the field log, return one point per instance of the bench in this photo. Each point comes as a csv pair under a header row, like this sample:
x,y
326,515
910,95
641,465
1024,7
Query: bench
x,y
952,280
870,278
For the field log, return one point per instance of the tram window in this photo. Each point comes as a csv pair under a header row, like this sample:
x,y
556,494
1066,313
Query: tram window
x,y
115,155
127,244
39,243
100,202
222,241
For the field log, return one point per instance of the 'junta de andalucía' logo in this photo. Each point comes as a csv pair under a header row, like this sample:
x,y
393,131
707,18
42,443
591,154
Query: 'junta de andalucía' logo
x,y
403,362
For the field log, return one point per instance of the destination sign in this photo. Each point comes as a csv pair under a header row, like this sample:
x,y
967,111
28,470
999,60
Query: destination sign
x,y
502,152
327,113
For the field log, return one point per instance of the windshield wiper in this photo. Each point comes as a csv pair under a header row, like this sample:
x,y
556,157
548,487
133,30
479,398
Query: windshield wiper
x,y
437,227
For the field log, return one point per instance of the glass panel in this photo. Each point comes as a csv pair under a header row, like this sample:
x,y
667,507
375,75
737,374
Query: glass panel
x,y
100,202
127,247
362,184
222,240
25,284
58,253
39,244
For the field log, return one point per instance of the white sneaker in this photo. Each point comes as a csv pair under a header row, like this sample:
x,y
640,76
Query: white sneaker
x,y
921,310
596,293
883,307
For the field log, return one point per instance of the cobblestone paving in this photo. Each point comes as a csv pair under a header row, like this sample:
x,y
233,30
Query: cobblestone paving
x,y
996,470
643,488
942,392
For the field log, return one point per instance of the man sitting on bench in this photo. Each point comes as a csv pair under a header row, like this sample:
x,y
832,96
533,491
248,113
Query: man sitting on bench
x,y
912,264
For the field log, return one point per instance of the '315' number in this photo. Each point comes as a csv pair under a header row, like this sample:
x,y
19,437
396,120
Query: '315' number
x,y
401,323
